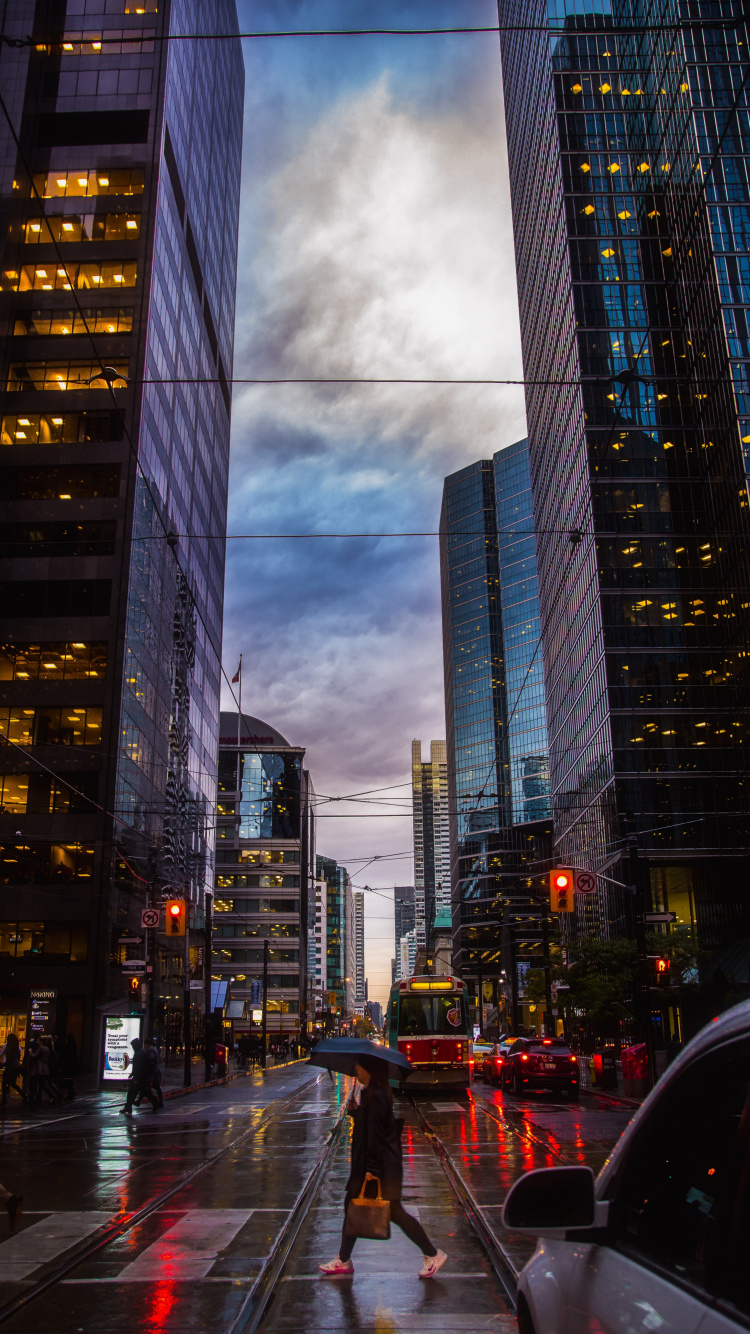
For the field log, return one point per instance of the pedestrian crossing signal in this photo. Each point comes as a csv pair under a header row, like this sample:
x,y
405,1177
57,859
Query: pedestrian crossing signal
x,y
561,889
175,915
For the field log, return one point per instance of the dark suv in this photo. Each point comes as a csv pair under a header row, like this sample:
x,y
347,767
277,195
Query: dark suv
x,y
540,1063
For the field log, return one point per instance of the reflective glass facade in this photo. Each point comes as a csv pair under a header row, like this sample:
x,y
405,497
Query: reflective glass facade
x,y
119,250
265,862
338,946
497,785
629,182
528,758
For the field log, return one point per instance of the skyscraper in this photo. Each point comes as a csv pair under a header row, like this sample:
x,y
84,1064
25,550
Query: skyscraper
x,y
119,201
432,883
495,715
265,863
628,165
403,921
337,947
358,906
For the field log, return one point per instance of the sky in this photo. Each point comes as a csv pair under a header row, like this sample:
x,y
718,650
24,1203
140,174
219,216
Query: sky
x,y
375,241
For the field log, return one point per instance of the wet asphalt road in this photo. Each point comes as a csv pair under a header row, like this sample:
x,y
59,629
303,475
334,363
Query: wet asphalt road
x,y
190,1264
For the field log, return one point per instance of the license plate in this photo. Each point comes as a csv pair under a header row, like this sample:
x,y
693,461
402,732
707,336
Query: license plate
x,y
550,1065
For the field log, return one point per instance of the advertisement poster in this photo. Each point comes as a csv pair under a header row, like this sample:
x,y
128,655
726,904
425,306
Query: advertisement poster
x,y
119,1031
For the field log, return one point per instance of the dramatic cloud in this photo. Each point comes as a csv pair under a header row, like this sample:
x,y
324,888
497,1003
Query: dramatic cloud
x,y
378,246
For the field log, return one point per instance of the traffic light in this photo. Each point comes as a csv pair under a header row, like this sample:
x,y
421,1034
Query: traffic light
x,y
662,967
134,989
175,917
561,889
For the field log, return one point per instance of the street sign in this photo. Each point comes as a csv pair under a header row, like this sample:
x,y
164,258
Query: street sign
x,y
134,966
150,917
660,917
130,940
584,882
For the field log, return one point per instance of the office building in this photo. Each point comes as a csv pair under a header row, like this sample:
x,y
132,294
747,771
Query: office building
x,y
316,971
119,247
358,942
629,185
337,947
432,884
375,1011
403,921
407,954
265,861
500,827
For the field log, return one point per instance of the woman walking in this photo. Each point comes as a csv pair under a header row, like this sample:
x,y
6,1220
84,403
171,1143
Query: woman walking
x,y
376,1151
10,1057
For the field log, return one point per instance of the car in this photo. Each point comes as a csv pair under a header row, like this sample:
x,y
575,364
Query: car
x,y
480,1048
494,1061
659,1240
540,1063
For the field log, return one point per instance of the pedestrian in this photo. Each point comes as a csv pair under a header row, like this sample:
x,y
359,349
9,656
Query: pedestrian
x,y
10,1057
13,1205
138,1084
68,1065
376,1152
154,1072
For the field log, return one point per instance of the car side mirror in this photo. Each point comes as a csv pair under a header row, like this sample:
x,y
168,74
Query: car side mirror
x,y
554,1200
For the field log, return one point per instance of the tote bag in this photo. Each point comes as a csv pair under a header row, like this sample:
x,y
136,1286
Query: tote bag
x,y
368,1217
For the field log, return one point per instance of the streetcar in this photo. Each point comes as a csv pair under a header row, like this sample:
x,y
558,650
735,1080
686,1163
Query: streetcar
x,y
428,1020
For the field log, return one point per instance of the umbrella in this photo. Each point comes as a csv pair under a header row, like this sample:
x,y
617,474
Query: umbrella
x,y
342,1054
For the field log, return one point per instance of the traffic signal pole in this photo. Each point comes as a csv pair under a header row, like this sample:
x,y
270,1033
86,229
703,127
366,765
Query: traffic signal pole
x,y
643,975
207,985
187,1073
264,1032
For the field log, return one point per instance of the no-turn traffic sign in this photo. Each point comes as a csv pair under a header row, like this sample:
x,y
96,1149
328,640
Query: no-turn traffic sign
x,y
584,882
150,917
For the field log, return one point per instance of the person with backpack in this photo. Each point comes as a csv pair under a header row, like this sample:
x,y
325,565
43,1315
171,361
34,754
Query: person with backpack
x,y
10,1058
376,1153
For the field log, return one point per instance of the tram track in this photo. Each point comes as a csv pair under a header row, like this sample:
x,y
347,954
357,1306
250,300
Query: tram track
x,y
120,1225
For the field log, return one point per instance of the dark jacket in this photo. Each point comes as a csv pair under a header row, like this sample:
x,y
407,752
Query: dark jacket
x,y
376,1144
140,1067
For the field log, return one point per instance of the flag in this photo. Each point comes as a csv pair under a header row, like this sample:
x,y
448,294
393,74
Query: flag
x,y
238,673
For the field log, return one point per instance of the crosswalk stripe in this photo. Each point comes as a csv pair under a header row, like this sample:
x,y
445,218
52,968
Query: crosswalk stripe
x,y
44,1241
447,1107
187,1250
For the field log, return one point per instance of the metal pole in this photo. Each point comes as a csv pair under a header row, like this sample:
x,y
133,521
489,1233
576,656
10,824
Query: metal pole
x,y
548,1021
513,979
480,998
207,985
187,1074
643,977
264,1032
151,947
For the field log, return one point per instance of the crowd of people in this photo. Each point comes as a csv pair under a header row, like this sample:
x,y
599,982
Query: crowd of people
x,y
46,1069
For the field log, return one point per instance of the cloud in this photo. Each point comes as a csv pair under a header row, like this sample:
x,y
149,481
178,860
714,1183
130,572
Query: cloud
x,y
380,246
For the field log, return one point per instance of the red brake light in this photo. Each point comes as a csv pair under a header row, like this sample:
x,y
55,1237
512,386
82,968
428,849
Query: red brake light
x,y
524,1057
574,1059
498,1060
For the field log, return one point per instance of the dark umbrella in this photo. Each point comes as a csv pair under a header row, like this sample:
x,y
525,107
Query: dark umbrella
x,y
342,1054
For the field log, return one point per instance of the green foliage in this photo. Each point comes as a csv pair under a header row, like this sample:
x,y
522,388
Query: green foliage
x,y
599,977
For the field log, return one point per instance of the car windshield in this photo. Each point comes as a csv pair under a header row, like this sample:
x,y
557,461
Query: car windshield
x,y
424,1015
553,1045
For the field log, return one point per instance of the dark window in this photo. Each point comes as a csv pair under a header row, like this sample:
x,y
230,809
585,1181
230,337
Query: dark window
x,y
58,539
82,482
76,128
56,597
683,1198
24,864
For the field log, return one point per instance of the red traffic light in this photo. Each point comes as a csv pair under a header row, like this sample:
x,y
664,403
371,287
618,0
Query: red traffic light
x,y
561,879
662,965
175,917
561,889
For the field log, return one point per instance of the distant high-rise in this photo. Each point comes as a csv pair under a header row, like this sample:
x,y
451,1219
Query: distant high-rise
x,y
338,947
358,905
498,779
403,919
432,876
265,860
119,225
629,161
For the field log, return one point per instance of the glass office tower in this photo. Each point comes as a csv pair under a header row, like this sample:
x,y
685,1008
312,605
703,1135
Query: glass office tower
x,y
120,203
265,862
628,145
337,947
498,791
432,883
